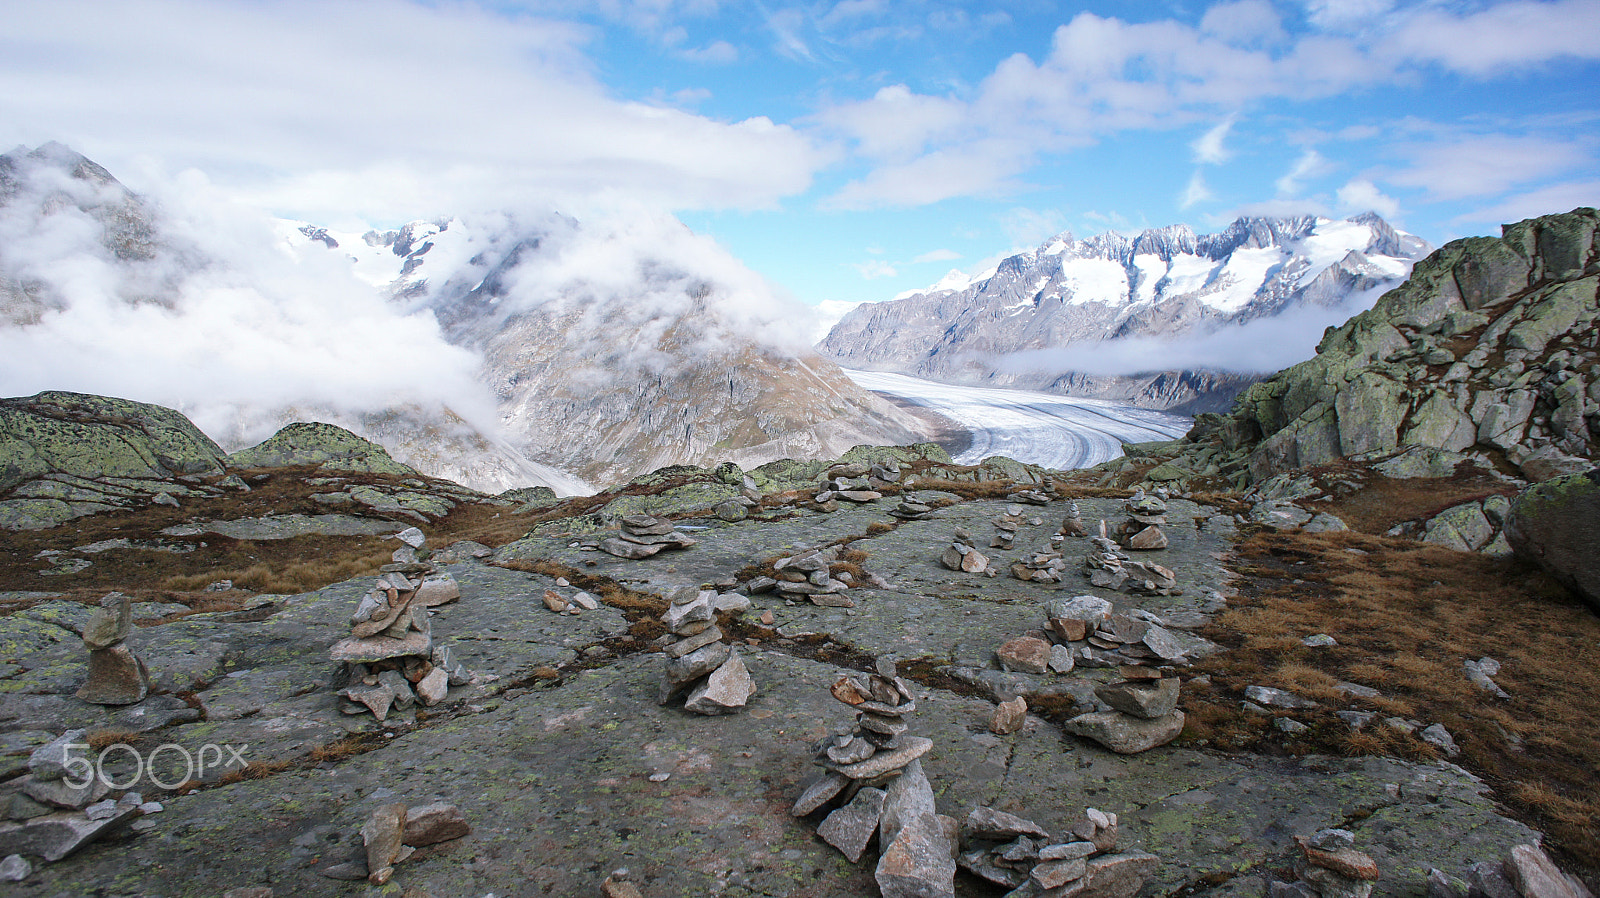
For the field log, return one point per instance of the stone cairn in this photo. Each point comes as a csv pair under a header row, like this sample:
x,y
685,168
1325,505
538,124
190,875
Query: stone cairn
x,y
1030,497
1005,528
642,536
1141,531
807,575
116,675
961,556
1143,710
1107,567
911,509
394,832
854,482
389,659
699,662
1020,855
874,783
56,814
1329,866
1072,524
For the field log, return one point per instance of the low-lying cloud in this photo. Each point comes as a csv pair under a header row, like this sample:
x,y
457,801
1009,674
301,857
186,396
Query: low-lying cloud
x,y
1262,346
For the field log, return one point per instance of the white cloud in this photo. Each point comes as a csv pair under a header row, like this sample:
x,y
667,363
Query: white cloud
x,y
714,53
1361,195
394,108
1256,347
1467,165
1310,164
1244,22
1195,192
1027,228
937,255
1504,35
785,25
1562,197
1345,14
875,268
1209,148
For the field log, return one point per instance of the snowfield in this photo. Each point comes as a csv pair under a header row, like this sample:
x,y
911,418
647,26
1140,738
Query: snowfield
x,y
1057,432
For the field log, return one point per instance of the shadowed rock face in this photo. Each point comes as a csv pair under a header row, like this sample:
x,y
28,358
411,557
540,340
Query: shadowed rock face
x,y
1556,525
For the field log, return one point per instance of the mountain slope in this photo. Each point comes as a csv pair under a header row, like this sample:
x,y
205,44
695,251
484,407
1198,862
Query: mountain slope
x,y
1004,326
617,349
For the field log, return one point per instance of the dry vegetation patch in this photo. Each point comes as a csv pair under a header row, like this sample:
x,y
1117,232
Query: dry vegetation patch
x,y
1406,615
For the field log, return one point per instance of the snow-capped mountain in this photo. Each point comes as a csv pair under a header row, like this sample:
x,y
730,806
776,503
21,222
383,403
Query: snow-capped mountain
x,y
616,349
1165,283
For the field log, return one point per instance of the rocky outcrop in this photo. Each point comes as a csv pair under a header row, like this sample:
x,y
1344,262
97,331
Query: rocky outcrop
x,y
64,455
1161,283
324,445
1483,348
1556,525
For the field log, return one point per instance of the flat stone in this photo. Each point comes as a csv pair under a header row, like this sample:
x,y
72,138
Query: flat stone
x,y
913,748
554,601
1028,654
1148,539
431,824
980,863
631,550
974,562
55,836
1067,850
1061,659
702,608
436,591
1124,734
819,793
1057,873
1276,698
1346,862
988,823
699,640
64,794
1118,875
727,690
697,663
1333,885
851,828
15,868
382,648
1148,699
48,761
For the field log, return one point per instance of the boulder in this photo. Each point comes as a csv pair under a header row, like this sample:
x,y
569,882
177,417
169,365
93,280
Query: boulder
x,y
1556,525
87,436
1124,734
325,445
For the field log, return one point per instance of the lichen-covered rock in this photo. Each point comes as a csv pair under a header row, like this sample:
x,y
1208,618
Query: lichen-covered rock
x,y
1556,525
97,436
314,443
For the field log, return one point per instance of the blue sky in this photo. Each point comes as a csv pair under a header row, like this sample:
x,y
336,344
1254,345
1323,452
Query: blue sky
x,y
846,150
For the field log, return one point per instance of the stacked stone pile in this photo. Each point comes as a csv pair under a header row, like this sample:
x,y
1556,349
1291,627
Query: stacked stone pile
x,y
63,806
1107,567
699,662
1005,527
808,575
116,675
1525,871
1029,497
1040,567
1144,711
1328,866
1072,524
394,832
1020,855
853,482
1098,636
961,556
389,659
911,510
642,536
1141,531
875,785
